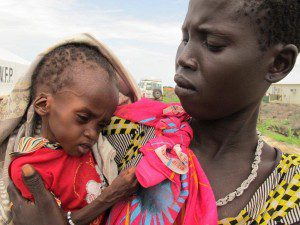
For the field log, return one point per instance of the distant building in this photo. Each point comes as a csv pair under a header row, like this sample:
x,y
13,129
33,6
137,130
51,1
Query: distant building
x,y
284,93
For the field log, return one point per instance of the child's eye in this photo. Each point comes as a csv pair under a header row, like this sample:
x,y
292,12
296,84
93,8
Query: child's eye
x,y
83,118
102,125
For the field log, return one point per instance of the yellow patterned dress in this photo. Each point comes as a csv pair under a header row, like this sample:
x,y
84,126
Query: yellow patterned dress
x,y
277,200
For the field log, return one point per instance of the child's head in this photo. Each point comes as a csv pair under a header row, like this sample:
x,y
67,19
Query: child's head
x,y
232,50
75,93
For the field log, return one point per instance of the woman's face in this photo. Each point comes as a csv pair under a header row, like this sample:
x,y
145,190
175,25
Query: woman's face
x,y
219,67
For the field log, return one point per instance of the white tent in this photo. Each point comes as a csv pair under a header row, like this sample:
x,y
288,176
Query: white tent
x,y
12,67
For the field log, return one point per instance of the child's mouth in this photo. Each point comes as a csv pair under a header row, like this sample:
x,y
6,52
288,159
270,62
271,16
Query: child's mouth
x,y
84,148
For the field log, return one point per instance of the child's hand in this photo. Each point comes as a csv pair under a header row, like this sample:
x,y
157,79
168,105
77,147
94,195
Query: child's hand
x,y
44,211
123,186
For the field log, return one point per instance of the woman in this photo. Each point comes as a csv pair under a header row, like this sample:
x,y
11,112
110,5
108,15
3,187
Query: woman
x,y
230,54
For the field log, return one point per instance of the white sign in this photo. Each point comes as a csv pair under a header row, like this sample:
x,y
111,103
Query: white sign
x,y
6,74
12,67
10,73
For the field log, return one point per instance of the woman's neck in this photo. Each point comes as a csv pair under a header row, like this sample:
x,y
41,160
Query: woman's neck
x,y
227,136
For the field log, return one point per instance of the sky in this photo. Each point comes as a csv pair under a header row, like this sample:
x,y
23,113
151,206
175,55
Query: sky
x,y
144,34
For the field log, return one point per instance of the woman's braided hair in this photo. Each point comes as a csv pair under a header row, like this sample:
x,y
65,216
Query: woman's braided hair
x,y
49,70
278,21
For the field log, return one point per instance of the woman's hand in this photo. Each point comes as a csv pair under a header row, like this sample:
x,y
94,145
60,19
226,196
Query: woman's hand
x,y
122,187
44,211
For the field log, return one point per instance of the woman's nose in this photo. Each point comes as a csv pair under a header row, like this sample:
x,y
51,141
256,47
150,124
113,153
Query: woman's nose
x,y
186,60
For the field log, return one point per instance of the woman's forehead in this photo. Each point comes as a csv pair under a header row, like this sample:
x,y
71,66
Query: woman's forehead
x,y
202,11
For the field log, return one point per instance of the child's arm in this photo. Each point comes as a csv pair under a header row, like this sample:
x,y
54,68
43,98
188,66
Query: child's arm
x,y
122,187
16,173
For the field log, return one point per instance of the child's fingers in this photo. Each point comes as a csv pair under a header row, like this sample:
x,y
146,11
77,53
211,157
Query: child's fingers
x,y
135,185
130,170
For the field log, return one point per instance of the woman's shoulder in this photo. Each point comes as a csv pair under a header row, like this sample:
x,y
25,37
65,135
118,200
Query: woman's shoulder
x,y
282,192
279,196
277,200
288,162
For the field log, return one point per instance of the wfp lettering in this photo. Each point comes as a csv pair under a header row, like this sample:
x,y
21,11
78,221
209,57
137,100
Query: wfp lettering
x,y
6,74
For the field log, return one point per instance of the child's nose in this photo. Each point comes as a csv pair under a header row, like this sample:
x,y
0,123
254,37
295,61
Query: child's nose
x,y
91,133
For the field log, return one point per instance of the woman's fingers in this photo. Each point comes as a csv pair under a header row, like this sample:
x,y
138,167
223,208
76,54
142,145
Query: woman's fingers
x,y
35,184
42,197
14,194
44,200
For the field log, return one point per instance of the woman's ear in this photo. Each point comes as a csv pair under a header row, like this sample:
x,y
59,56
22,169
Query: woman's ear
x,y
282,64
42,104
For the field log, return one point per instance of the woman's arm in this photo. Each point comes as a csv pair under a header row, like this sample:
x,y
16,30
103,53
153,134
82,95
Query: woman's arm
x,y
45,210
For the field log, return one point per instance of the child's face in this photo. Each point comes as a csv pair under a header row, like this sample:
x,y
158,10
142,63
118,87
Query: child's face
x,y
78,112
219,66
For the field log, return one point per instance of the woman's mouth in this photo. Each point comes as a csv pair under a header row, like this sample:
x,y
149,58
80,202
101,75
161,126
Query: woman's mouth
x,y
184,86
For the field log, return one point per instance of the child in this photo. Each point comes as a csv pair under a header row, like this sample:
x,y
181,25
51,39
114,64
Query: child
x,y
74,92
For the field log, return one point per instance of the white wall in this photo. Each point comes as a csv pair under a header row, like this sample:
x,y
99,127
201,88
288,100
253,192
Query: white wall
x,y
290,92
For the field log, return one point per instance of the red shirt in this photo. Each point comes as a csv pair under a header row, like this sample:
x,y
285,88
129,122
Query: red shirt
x,y
75,181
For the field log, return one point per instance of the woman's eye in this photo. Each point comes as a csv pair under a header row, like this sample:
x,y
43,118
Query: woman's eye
x,y
185,41
82,118
213,48
185,37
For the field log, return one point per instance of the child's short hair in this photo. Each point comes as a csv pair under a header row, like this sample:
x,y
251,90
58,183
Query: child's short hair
x,y
55,62
277,21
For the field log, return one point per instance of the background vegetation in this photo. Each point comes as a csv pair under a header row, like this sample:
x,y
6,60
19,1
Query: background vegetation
x,y
278,122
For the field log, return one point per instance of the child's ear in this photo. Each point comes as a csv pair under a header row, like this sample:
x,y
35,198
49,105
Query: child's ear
x,y
42,104
282,64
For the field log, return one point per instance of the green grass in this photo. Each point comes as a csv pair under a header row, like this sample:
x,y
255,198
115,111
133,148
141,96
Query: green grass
x,y
264,129
168,99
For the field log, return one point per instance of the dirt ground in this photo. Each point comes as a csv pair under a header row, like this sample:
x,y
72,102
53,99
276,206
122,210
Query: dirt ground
x,y
280,112
282,146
